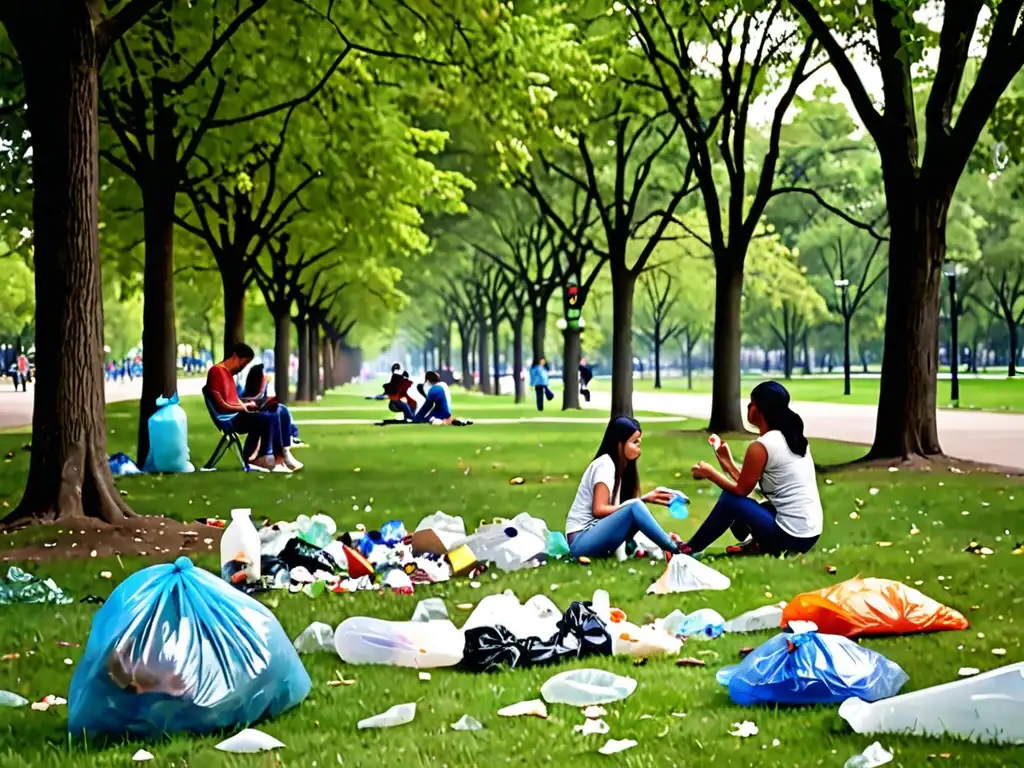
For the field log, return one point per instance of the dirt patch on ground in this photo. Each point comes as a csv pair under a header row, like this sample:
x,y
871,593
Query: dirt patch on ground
x,y
146,536
945,464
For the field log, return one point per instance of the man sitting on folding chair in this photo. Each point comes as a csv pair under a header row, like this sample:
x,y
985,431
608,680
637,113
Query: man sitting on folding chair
x,y
263,428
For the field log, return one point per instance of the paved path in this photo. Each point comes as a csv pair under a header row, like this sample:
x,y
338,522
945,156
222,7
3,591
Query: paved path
x,y
535,420
994,438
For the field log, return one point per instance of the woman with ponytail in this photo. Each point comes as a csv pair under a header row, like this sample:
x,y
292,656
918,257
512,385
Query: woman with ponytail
x,y
780,460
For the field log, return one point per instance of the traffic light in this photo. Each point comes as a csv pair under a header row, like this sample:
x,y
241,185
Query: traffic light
x,y
572,308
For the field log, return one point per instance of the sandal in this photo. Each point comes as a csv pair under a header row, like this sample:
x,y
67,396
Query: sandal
x,y
750,548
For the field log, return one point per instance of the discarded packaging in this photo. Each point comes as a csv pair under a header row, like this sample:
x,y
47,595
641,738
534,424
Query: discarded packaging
x,y
685,574
986,708
249,741
583,687
400,714
431,609
703,624
872,607
614,746
446,531
537,617
142,756
416,644
872,757
314,638
757,620
744,730
21,587
594,711
467,723
240,549
592,728
640,642
532,708
462,560
9,699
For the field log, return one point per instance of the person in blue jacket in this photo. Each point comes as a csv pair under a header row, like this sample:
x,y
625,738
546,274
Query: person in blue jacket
x,y
539,382
437,408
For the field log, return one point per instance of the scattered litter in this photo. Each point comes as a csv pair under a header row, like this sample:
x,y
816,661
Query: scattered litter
x,y
534,707
340,680
977,549
425,676
614,746
998,651
106,575
968,671
582,687
142,756
400,714
685,574
21,587
467,723
744,729
592,728
314,638
416,644
516,481
68,662
766,617
249,741
872,757
464,606
884,544
9,699
40,706
594,711
873,491
690,662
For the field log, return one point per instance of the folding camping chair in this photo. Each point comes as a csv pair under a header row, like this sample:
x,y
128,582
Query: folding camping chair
x,y
228,436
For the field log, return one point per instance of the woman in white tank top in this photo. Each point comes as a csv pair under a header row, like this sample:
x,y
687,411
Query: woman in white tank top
x,y
780,460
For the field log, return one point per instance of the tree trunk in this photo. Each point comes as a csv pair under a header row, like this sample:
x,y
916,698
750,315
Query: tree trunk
x,y
517,354
302,387
846,355
571,369
1011,327
689,363
481,338
725,388
68,471
233,284
906,423
623,288
315,383
282,354
657,357
539,325
465,346
807,355
325,353
496,354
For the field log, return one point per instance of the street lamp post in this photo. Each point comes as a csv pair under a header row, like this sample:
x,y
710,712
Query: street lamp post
x,y
843,287
951,270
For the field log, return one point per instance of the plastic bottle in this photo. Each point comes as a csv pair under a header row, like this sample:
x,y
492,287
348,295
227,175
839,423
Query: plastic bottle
x,y
317,530
704,623
240,548
416,644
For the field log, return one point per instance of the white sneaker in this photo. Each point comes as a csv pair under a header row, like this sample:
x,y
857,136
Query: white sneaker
x,y
265,463
281,468
291,462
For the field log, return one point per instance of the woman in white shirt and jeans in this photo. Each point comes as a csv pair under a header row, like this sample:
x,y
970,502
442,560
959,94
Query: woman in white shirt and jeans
x,y
780,460
598,524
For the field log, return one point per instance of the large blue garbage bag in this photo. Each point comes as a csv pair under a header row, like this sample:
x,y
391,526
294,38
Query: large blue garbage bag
x,y
168,438
175,648
811,668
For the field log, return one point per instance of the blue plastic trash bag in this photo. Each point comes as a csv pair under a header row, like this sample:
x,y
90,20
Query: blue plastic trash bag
x,y
175,648
168,438
811,668
121,464
392,532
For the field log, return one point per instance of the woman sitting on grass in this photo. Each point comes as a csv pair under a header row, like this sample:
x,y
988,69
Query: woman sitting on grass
x,y
780,460
598,524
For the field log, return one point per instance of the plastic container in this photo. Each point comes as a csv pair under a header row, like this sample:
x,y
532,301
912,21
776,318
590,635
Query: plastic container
x,y
583,687
317,530
240,549
557,546
702,624
757,620
679,507
168,438
415,644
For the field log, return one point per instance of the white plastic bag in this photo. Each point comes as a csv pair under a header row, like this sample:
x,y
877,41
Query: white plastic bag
x,y
538,617
314,638
583,687
685,574
450,529
467,723
431,609
415,644
757,620
249,741
511,545
640,642
400,714
988,708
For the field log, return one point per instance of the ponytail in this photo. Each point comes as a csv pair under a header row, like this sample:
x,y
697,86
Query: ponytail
x,y
772,400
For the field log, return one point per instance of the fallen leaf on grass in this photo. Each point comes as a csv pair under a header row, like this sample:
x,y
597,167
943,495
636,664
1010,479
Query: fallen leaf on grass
x,y
690,662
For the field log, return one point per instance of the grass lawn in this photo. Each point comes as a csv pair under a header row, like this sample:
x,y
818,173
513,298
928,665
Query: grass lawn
x,y
408,473
983,394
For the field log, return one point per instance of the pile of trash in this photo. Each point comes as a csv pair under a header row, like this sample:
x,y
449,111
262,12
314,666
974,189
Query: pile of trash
x,y
309,556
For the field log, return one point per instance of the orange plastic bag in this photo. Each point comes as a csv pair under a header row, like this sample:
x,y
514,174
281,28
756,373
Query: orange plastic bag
x,y
872,607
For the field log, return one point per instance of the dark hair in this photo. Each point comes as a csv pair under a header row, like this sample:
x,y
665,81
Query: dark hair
x,y
432,377
254,381
627,478
772,400
396,367
243,351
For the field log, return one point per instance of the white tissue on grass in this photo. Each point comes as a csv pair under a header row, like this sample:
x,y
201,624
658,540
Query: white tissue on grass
x,y
685,574
612,746
400,714
467,723
534,707
872,757
594,711
582,687
592,728
744,729
314,638
249,741
986,708
9,699
142,756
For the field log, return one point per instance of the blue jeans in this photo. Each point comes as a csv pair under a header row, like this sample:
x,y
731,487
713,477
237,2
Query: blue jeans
x,y
543,392
745,517
433,407
269,431
610,532
400,406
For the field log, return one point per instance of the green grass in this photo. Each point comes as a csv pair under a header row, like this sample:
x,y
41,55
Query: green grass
x,y
409,473
975,393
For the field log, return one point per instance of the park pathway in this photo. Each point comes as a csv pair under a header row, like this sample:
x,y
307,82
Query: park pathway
x,y
994,438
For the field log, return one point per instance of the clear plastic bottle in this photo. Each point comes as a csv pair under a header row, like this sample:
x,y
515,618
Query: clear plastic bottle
x,y
240,549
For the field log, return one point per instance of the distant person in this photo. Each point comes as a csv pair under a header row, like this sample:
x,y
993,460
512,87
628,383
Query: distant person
x,y
397,390
23,373
586,374
437,407
598,524
780,461
539,382
246,418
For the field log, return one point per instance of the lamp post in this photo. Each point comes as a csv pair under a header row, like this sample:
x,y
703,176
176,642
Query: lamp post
x,y
951,271
843,286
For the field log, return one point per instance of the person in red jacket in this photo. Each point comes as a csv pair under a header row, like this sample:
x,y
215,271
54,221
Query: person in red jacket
x,y
261,426
397,390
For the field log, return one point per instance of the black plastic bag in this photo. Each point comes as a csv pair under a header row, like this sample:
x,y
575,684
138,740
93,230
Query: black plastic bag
x,y
298,552
580,633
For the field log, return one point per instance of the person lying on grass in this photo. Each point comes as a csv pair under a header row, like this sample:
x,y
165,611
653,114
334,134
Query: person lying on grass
x,y
598,524
780,460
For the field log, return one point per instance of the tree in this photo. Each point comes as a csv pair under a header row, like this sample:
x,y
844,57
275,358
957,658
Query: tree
x,y
17,298
660,298
920,174
61,46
